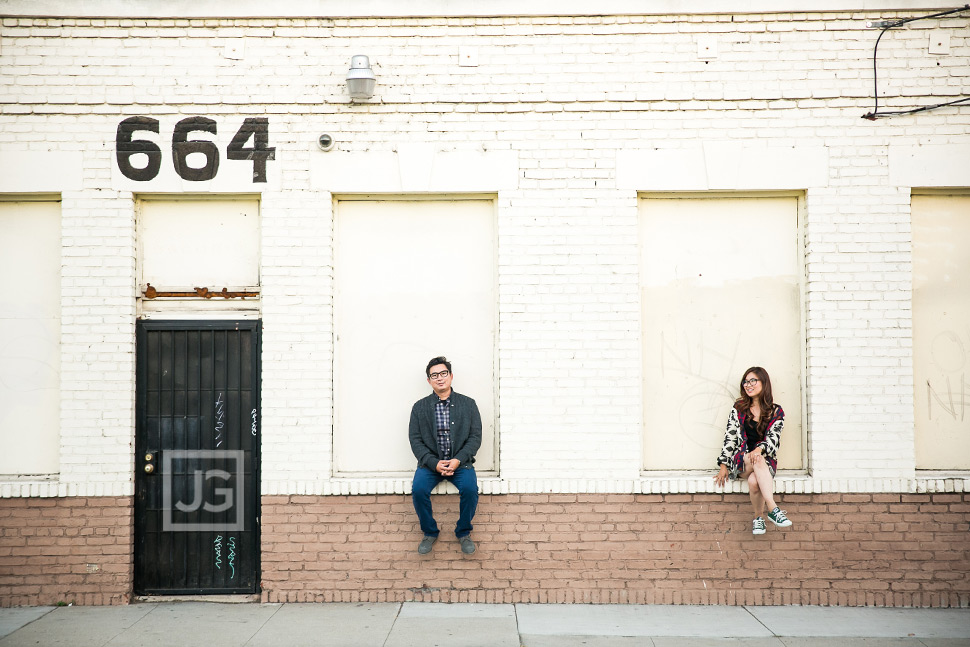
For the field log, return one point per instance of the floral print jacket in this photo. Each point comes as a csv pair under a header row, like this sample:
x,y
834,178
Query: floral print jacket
x,y
735,441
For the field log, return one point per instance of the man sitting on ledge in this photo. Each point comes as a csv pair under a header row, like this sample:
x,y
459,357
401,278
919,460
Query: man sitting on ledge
x,y
445,432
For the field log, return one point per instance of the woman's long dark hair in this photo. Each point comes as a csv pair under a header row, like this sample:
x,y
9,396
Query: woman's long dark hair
x,y
765,401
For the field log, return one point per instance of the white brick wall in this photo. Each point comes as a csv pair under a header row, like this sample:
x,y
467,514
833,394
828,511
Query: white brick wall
x,y
97,328
564,100
297,312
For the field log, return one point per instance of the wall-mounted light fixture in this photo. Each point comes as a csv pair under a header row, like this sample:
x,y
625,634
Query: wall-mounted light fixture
x,y
360,78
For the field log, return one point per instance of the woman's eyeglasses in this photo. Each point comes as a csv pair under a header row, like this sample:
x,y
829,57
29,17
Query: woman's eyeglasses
x,y
750,382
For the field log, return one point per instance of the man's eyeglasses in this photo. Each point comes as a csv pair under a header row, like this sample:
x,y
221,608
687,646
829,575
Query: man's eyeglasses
x,y
435,376
750,382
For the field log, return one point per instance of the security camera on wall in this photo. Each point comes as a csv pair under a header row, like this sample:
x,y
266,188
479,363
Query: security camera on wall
x,y
326,142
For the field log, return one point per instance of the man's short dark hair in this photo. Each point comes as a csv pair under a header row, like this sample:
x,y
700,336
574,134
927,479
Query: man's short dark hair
x,y
434,362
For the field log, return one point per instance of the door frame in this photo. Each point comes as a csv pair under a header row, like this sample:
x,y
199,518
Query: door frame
x,y
141,327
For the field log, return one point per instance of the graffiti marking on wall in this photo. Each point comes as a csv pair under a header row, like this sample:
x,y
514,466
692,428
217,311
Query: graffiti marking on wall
x,y
949,392
953,402
704,400
220,418
231,557
217,545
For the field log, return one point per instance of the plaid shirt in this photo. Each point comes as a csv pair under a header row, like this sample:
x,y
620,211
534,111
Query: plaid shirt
x,y
442,418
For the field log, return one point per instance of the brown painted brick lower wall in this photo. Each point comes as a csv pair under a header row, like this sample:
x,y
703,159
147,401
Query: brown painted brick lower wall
x,y
844,549
848,549
65,550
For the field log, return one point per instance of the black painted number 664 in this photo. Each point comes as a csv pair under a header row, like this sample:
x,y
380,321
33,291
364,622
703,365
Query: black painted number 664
x,y
182,147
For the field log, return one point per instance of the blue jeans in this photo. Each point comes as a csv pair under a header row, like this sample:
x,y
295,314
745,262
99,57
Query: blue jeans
x,y
467,483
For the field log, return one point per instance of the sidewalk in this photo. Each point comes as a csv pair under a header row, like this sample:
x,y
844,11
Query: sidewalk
x,y
210,624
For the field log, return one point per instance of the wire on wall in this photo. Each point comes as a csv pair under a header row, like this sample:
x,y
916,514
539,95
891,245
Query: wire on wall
x,y
875,114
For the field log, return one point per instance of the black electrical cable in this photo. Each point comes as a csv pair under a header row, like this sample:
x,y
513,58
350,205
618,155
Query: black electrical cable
x,y
875,114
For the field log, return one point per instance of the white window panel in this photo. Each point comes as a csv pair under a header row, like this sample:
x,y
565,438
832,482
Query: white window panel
x,y
199,243
30,288
719,293
413,280
941,330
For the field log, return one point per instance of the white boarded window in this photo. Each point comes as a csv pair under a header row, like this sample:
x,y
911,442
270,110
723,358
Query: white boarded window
x,y
719,293
941,330
199,243
30,288
413,280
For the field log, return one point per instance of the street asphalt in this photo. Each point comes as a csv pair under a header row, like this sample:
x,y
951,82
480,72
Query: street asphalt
x,y
213,624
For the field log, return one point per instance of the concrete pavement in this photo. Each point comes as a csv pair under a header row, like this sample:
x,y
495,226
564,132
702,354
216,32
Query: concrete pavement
x,y
212,624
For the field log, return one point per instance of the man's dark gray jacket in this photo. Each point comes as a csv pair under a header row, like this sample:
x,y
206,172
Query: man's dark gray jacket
x,y
465,432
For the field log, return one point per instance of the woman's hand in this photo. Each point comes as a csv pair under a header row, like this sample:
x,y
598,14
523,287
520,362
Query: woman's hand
x,y
754,457
721,477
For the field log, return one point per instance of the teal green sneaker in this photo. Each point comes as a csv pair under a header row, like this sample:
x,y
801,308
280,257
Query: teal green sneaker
x,y
779,518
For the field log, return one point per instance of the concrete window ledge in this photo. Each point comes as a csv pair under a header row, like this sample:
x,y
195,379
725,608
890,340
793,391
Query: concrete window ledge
x,y
22,488
660,483
673,483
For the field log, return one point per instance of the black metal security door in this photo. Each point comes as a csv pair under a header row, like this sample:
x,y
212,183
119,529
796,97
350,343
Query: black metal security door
x,y
197,457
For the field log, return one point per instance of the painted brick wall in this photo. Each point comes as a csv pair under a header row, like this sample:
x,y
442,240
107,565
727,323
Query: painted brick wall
x,y
565,96
844,549
847,550
65,550
570,516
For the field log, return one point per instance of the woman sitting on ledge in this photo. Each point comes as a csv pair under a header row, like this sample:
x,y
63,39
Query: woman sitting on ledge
x,y
751,446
